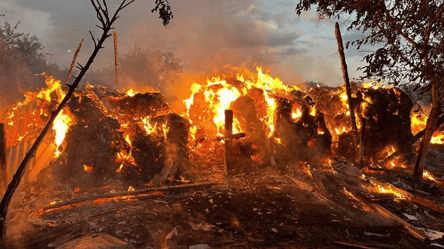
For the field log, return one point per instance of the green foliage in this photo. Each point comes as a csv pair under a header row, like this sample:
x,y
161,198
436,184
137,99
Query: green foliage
x,y
21,58
409,33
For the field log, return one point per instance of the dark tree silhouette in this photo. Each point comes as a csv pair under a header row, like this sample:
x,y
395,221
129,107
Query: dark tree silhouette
x,y
411,39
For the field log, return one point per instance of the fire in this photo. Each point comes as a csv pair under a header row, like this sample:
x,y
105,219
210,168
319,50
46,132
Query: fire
x,y
130,188
87,168
296,114
427,175
219,95
385,190
352,197
53,86
61,126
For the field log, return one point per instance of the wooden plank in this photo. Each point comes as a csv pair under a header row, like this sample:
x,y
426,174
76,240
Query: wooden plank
x,y
407,227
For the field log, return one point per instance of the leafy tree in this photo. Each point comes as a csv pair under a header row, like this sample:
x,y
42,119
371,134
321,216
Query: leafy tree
x,y
411,39
21,57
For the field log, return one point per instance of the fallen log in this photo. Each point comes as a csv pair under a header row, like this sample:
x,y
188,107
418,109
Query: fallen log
x,y
131,193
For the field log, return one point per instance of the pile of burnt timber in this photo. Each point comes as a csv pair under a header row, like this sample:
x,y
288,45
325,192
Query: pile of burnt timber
x,y
386,112
107,141
292,140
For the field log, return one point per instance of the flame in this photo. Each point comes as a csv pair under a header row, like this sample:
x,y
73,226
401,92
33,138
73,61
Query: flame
x,y
427,175
131,92
130,188
313,111
438,138
53,86
60,126
219,95
296,114
352,197
87,168
385,190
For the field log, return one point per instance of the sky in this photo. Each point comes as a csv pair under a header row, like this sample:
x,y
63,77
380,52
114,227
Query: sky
x,y
204,35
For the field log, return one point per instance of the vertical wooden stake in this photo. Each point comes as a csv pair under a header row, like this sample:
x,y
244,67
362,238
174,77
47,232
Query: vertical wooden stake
x,y
347,86
3,162
116,58
361,144
228,141
73,63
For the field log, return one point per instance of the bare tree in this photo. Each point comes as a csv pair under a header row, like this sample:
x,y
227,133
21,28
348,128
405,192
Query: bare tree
x,y
106,24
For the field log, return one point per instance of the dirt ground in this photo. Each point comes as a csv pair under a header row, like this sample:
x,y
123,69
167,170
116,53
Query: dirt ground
x,y
256,208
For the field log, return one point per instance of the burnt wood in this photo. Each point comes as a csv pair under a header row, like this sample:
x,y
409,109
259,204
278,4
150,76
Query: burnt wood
x,y
107,23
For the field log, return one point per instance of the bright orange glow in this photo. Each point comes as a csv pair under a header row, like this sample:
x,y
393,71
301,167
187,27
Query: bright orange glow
x,y
60,126
296,114
87,168
385,190
427,175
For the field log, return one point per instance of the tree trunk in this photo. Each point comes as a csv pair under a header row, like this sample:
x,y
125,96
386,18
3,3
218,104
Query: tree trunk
x,y
430,128
347,87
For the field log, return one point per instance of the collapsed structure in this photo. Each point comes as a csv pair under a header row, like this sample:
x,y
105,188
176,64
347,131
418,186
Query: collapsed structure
x,y
104,135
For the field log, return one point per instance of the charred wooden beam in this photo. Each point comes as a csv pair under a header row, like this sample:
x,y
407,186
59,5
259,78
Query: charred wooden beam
x,y
415,138
133,194
347,85
407,227
116,58
228,142
412,197
233,137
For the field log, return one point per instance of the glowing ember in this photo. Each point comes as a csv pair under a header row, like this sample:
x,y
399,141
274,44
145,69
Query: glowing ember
x,y
87,168
130,188
131,92
385,190
352,197
296,114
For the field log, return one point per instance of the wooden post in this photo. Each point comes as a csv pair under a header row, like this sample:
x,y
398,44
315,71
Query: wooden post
x,y
347,86
228,141
116,59
3,161
361,144
74,59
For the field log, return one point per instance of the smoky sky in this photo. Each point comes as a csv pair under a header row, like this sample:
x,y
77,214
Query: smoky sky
x,y
204,35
